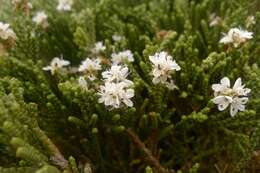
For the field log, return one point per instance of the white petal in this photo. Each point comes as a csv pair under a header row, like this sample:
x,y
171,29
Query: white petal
x,y
47,68
109,101
156,80
246,91
130,93
223,106
225,81
238,84
233,110
128,102
241,107
101,100
226,39
217,87
124,71
157,72
242,100
219,99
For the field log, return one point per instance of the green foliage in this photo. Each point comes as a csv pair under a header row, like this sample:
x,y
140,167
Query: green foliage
x,y
49,124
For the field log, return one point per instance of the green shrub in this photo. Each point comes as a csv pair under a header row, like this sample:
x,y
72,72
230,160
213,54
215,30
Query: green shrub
x,y
64,119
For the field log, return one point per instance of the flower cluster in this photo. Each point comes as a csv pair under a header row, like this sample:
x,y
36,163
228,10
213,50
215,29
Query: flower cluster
x,y
163,67
117,89
65,5
56,65
236,37
237,96
120,57
6,32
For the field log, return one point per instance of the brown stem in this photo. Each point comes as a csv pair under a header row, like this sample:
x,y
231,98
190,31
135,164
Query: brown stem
x,y
255,159
26,7
57,157
153,161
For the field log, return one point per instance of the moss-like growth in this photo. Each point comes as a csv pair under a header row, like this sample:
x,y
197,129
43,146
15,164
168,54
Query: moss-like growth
x,y
54,122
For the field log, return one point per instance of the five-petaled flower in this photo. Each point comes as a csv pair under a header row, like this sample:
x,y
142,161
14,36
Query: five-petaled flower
x,y
236,37
117,38
163,67
120,57
99,47
56,65
237,96
6,32
250,21
64,5
40,18
90,68
116,73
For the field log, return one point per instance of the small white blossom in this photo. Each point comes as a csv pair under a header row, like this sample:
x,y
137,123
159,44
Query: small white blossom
x,y
117,38
236,36
117,73
41,19
236,97
120,57
6,32
215,20
99,47
56,64
83,83
65,5
29,5
250,21
163,67
114,94
90,68
171,85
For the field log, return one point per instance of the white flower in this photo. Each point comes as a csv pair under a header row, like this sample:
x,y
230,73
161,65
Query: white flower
x,y
163,66
6,32
214,20
90,68
117,38
41,19
29,5
250,21
235,96
171,85
83,83
236,36
117,88
56,64
99,47
114,94
120,57
65,5
117,73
